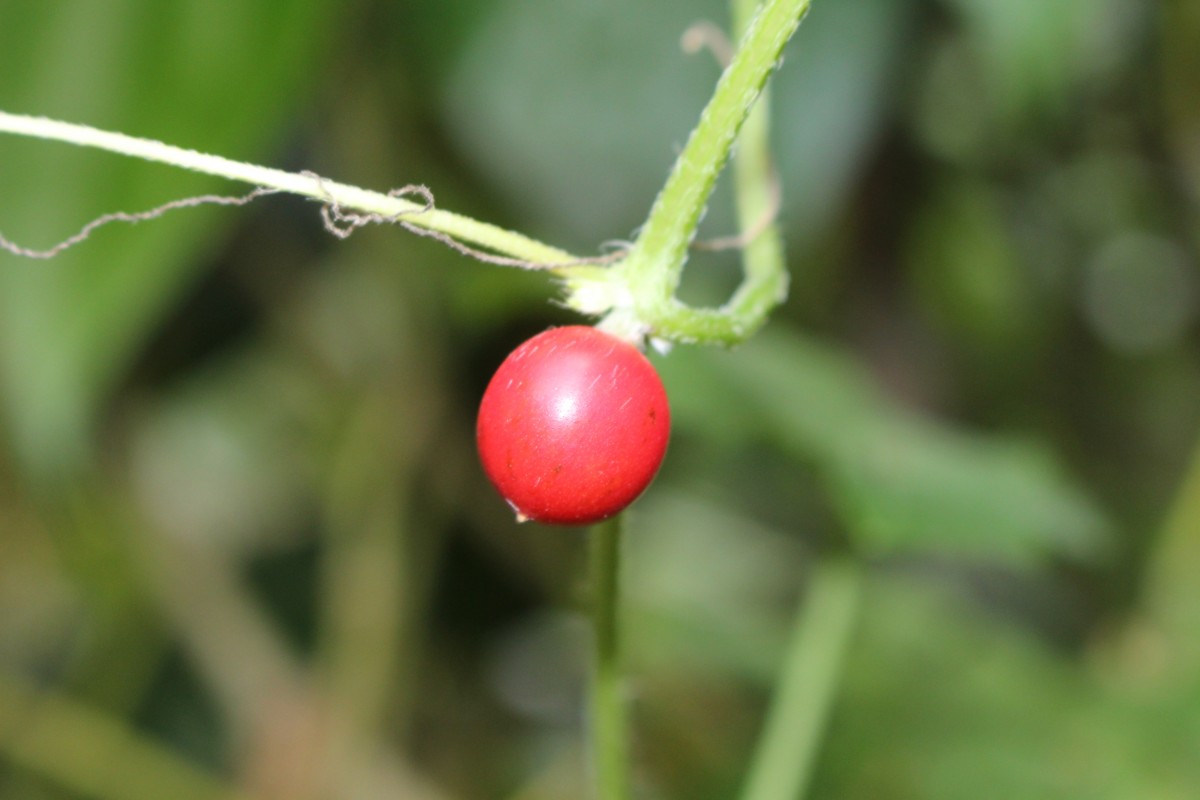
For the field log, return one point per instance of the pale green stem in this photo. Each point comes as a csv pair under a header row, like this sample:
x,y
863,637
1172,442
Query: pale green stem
x,y
369,588
787,749
639,292
461,228
655,265
93,754
1172,591
609,726
757,193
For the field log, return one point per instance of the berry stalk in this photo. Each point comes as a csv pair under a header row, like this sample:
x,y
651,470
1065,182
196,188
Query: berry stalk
x,y
609,726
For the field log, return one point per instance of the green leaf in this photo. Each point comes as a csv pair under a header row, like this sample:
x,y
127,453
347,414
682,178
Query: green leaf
x,y
902,483
219,78
943,700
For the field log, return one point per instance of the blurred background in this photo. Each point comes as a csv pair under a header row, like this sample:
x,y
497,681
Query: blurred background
x,y
245,546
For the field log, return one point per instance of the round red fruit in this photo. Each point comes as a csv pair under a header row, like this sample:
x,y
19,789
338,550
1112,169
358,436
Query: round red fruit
x,y
573,426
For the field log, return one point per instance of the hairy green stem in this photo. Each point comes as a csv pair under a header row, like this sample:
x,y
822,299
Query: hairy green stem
x,y
461,228
757,193
654,268
609,727
638,293
786,752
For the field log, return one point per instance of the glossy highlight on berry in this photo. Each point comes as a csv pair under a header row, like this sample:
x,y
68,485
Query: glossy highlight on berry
x,y
573,426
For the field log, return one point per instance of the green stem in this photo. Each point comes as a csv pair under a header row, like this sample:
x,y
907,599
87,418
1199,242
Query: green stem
x,y
464,229
609,728
637,294
757,194
786,752
654,267
94,754
1172,592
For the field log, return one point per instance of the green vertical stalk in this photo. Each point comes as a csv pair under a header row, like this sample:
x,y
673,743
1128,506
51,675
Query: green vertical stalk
x,y
656,263
1172,593
791,737
754,180
609,726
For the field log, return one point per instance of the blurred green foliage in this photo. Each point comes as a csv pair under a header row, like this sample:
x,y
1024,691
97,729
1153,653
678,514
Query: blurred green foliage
x,y
246,549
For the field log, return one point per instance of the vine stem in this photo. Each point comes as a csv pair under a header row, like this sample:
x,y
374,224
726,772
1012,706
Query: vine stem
x,y
609,725
457,226
757,191
787,750
655,265
636,295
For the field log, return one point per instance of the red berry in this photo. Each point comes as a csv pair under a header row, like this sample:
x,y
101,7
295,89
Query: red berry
x,y
573,426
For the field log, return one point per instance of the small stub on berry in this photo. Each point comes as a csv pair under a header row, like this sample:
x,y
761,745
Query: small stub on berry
x,y
520,516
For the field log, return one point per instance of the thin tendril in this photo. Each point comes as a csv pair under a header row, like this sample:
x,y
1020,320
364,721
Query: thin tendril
x,y
132,218
341,224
